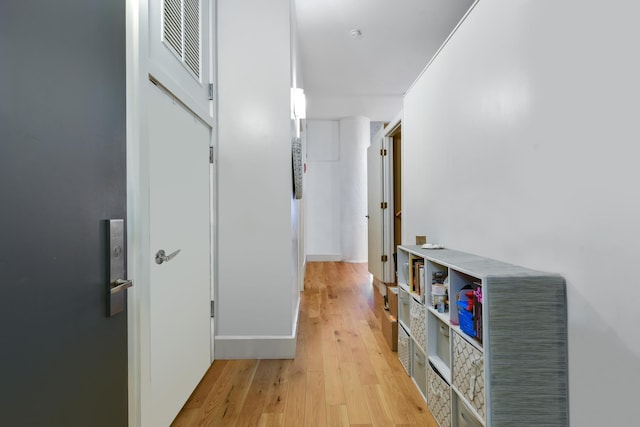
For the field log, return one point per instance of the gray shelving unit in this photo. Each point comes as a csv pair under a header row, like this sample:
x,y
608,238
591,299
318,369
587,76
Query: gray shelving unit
x,y
515,372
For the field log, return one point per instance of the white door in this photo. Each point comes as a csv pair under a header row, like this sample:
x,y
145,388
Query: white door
x,y
374,199
180,290
387,230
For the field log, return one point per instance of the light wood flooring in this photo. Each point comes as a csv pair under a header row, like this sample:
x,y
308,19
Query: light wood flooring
x,y
344,373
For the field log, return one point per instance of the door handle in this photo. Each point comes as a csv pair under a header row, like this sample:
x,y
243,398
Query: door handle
x,y
161,256
120,285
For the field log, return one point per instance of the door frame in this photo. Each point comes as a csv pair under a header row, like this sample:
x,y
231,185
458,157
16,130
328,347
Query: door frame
x,y
139,69
388,267
376,248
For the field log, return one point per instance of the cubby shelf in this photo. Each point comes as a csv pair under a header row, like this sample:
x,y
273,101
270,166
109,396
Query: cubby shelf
x,y
520,317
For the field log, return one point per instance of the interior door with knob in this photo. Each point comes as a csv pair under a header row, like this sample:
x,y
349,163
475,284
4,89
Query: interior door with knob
x,y
375,223
180,241
63,358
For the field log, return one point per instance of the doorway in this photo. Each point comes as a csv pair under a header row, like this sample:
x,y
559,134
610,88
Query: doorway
x,y
171,193
396,186
384,192
392,179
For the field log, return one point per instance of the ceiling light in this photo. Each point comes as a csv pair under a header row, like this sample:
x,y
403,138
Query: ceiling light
x,y
299,104
355,33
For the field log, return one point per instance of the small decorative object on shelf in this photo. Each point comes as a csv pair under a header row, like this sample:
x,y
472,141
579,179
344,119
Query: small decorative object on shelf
x,y
439,300
432,246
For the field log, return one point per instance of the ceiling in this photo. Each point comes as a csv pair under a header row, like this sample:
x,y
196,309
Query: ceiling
x,y
398,39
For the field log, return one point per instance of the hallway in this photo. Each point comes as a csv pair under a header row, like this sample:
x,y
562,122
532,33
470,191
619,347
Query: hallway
x,y
344,373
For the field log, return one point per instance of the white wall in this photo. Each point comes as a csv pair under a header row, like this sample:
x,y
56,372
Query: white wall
x,y
334,107
336,189
256,267
297,206
322,197
520,143
354,140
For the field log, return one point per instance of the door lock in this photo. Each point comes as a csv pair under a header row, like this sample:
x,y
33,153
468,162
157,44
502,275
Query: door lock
x,y
118,285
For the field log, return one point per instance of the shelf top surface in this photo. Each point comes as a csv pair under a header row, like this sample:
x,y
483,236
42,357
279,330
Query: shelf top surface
x,y
473,265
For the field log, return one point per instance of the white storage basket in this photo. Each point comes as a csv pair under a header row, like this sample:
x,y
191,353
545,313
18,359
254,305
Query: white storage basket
x,y
404,349
439,398
468,373
418,324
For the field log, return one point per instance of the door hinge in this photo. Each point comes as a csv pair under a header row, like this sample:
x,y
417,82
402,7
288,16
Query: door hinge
x,y
211,155
213,308
384,258
383,151
383,205
210,87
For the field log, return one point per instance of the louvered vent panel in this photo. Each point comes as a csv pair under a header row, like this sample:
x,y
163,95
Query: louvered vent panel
x,y
192,35
182,33
172,25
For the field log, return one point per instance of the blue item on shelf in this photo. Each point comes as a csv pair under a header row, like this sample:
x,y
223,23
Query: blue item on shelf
x,y
466,319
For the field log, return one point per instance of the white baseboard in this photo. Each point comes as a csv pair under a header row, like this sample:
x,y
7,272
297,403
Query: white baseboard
x,y
244,347
380,286
325,257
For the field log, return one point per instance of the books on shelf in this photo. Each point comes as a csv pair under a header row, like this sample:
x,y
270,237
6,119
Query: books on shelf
x,y
417,284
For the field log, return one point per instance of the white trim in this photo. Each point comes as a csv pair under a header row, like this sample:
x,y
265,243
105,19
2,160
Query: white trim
x,y
388,268
172,86
393,125
382,288
248,347
214,167
302,274
388,215
324,257
137,207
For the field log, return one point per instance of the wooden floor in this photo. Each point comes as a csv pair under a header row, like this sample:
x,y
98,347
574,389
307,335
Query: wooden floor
x,y
344,373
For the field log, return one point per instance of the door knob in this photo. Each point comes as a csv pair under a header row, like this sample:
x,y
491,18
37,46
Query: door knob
x,y
161,256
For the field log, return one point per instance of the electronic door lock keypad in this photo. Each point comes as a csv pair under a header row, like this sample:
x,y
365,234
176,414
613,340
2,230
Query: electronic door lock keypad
x,y
118,285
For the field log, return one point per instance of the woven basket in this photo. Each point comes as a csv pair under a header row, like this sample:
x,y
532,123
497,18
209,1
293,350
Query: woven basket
x,y
468,373
418,325
439,398
404,349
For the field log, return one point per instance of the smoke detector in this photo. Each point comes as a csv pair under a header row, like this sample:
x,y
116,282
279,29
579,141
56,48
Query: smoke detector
x,y
356,33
